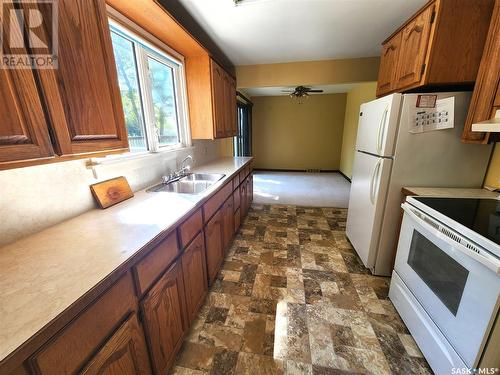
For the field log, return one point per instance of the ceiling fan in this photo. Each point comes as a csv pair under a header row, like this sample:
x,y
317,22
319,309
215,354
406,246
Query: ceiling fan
x,y
301,91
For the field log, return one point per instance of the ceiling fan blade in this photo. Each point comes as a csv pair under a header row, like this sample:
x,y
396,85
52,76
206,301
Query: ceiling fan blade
x,y
314,90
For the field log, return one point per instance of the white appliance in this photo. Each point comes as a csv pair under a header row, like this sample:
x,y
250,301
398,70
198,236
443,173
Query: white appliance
x,y
446,283
390,155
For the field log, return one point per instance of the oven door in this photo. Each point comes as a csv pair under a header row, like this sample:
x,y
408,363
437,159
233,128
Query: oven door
x,y
459,291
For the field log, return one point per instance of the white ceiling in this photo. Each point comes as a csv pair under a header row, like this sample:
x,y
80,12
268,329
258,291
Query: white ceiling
x,y
278,91
271,31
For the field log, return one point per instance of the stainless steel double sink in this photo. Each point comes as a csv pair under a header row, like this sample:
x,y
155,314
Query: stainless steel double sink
x,y
192,183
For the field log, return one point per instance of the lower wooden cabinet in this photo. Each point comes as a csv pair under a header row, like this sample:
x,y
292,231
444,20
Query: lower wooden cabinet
x,y
194,268
72,348
237,220
168,285
165,318
227,223
214,245
125,353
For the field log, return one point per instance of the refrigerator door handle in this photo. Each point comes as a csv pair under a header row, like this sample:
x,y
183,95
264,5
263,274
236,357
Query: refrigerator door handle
x,y
373,188
381,130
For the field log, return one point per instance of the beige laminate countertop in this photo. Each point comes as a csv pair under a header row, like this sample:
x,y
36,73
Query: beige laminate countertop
x,y
451,192
44,274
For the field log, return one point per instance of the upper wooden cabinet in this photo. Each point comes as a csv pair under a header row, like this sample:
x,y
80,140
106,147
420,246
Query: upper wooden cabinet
x,y
212,99
414,44
441,45
78,103
23,129
486,96
82,96
388,65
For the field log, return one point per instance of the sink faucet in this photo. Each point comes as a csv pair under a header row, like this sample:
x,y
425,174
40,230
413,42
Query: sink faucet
x,y
184,169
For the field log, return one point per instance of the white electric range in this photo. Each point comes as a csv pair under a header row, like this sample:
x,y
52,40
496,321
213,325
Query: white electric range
x,y
446,282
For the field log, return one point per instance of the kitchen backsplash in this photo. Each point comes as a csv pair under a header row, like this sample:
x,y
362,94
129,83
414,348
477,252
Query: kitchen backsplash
x,y
35,198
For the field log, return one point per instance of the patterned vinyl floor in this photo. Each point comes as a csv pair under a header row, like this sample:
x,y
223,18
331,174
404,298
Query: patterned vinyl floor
x,y
293,297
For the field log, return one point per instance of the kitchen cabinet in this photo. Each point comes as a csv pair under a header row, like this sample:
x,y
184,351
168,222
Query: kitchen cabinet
x,y
124,353
237,220
212,99
165,318
486,96
440,45
227,212
414,44
194,268
84,104
135,319
155,262
243,199
388,65
214,245
24,131
79,107
73,348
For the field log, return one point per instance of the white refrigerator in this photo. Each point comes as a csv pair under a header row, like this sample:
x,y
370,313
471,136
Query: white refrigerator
x,y
391,154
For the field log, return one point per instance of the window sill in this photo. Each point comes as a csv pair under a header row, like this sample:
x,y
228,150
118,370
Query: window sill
x,y
167,154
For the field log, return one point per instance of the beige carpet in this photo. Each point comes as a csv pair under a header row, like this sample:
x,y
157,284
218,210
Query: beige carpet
x,y
301,189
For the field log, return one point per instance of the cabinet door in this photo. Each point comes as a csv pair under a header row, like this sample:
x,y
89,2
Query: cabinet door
x,y
214,245
250,189
124,353
227,223
388,64
218,99
165,318
82,95
194,269
233,119
413,51
486,96
237,220
243,201
23,130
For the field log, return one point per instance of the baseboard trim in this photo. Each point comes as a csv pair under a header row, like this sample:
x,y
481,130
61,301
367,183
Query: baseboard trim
x,y
299,170
343,175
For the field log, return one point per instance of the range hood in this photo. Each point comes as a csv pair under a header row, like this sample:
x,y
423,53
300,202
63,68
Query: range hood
x,y
491,125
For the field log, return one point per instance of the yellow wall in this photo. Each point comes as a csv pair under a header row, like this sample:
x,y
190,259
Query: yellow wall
x,y
493,173
358,95
225,146
308,73
288,135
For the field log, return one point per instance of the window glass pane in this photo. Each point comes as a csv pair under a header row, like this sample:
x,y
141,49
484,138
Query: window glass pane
x,y
442,274
165,109
129,89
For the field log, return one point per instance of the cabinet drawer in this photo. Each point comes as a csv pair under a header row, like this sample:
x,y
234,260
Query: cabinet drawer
x,y
189,228
216,201
242,175
236,181
75,345
247,170
236,199
155,262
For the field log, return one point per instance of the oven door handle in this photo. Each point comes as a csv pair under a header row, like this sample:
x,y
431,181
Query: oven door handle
x,y
489,262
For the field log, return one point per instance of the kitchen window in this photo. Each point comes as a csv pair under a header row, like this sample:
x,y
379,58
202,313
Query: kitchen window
x,y
151,83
